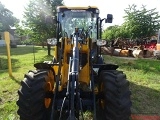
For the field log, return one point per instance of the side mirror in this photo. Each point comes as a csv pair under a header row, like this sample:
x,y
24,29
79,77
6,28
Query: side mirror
x,y
109,18
52,41
101,42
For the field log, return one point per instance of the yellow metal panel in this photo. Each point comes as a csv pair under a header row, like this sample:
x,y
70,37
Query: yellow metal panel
x,y
84,48
55,52
65,67
56,67
84,75
64,74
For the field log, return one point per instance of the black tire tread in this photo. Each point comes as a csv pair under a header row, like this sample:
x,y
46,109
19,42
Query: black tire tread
x,y
31,96
116,95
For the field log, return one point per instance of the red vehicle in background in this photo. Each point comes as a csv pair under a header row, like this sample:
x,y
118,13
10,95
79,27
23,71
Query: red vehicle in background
x,y
151,45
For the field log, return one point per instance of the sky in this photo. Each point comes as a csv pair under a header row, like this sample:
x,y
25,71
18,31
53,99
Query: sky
x,y
115,7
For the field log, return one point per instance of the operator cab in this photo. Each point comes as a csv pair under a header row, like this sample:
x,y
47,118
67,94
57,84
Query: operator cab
x,y
89,25
85,19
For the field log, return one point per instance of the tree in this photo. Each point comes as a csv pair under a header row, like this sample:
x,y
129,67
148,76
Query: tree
x,y
114,32
110,32
141,23
7,20
23,32
36,17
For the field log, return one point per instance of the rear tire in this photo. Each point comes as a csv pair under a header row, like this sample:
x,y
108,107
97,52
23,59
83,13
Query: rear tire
x,y
115,89
32,96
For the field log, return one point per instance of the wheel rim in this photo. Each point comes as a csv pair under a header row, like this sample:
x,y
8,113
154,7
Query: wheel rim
x,y
47,101
49,87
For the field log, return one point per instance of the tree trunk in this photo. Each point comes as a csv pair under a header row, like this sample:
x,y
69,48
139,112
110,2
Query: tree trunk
x,y
42,44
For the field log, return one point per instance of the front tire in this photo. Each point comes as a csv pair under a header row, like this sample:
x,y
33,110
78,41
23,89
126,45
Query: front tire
x,y
115,89
33,104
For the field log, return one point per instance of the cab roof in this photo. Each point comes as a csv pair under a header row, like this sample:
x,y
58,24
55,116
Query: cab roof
x,y
77,7
94,9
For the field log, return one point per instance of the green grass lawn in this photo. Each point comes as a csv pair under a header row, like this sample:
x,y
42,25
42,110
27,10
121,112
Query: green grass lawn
x,y
143,75
22,60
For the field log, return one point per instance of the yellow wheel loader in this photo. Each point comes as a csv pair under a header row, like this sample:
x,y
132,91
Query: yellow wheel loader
x,y
77,79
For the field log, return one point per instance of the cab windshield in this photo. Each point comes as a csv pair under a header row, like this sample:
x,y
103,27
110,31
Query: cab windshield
x,y
81,19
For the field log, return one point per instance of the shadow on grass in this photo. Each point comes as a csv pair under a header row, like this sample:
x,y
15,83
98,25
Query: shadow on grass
x,y
4,64
14,79
47,58
145,100
20,50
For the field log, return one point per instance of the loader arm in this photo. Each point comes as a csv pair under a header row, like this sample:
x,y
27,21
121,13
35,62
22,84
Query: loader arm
x,y
72,87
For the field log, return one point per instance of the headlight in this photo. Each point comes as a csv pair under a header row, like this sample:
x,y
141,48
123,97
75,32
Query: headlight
x,y
52,41
101,42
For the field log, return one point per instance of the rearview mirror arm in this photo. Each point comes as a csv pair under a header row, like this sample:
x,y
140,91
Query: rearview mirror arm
x,y
101,20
